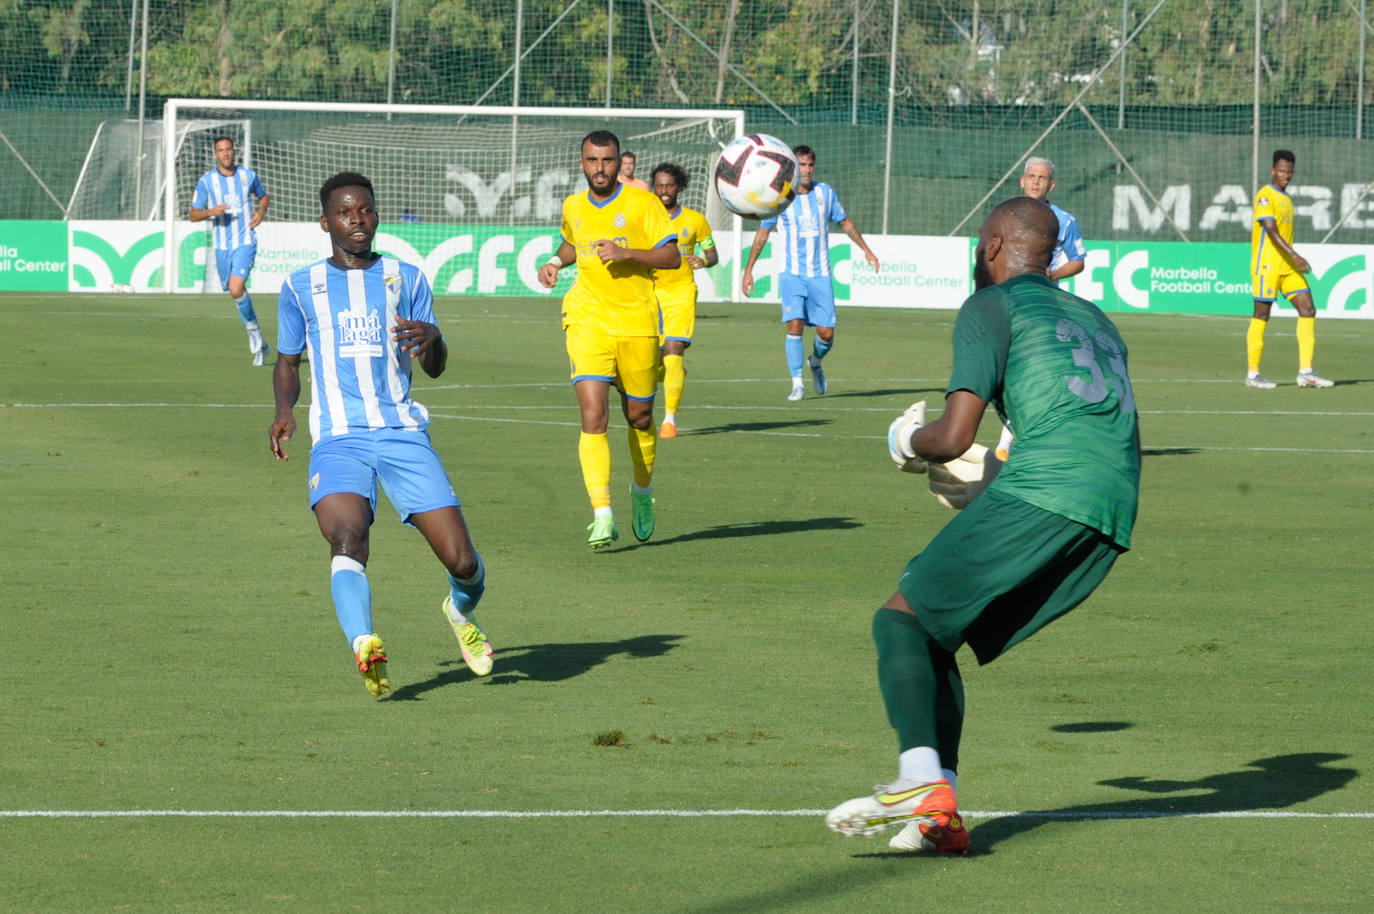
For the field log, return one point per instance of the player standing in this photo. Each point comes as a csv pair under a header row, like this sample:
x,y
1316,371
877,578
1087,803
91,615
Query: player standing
x,y
1276,269
618,235
627,171
365,426
677,288
1032,546
222,196
808,298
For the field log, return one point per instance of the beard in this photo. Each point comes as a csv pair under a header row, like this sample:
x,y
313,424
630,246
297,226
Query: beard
x,y
982,277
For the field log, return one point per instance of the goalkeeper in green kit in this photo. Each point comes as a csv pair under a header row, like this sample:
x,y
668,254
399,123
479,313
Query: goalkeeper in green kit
x,y
1034,545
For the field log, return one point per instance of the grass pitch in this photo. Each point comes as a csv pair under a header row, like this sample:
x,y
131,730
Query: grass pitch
x,y
184,728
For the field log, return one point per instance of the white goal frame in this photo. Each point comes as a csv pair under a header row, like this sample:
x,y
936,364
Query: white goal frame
x,y
244,108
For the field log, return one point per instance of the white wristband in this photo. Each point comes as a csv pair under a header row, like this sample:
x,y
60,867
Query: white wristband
x,y
556,261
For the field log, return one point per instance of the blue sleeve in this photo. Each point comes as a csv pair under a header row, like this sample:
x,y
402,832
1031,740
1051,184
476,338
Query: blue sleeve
x,y
421,296
836,213
1073,246
256,185
290,321
768,223
202,196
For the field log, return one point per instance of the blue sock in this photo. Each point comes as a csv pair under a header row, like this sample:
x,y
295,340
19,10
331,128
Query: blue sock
x,y
467,592
352,596
820,347
795,355
245,306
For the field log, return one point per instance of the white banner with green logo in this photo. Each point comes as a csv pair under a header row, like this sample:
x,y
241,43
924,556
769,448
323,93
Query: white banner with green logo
x,y
914,272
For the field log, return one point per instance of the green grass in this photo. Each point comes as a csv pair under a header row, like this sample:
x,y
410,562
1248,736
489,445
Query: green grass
x,y
172,645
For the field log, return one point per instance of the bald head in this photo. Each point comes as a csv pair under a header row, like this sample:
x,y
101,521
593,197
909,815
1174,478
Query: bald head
x,y
1017,237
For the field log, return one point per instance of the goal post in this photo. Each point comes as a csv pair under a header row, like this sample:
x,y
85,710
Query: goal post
x,y
460,164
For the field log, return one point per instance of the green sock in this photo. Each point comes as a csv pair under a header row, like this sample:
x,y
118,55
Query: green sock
x,y
921,685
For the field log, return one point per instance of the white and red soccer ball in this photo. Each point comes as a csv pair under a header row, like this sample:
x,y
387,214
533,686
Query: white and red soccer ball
x,y
757,176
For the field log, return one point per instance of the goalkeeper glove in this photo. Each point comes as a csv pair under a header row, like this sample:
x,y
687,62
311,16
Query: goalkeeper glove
x,y
899,438
964,478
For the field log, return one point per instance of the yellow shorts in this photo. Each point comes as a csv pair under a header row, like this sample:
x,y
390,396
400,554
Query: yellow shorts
x,y
1270,285
677,313
628,362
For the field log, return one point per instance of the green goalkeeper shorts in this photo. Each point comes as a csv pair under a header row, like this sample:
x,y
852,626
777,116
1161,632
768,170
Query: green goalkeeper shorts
x,y
1000,571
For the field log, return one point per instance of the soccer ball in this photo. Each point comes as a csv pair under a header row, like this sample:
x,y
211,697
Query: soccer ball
x,y
756,176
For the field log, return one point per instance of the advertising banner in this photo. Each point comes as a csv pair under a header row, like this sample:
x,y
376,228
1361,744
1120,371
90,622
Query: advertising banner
x,y
915,272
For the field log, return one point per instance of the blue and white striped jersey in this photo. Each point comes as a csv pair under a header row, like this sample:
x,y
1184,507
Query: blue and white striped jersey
x,y
360,378
1070,243
803,231
231,228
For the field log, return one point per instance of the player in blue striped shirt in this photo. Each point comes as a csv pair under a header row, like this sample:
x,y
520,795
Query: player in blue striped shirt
x,y
808,298
222,196
366,319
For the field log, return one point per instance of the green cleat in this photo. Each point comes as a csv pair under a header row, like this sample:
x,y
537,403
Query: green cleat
x,y
603,532
642,521
371,657
471,640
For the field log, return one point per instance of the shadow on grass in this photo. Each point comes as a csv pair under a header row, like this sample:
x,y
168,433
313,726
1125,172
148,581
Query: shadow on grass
x,y
543,662
758,528
938,392
757,426
1167,451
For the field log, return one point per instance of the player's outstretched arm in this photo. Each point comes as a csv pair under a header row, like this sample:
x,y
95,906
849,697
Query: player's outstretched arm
x,y
286,387
755,249
852,230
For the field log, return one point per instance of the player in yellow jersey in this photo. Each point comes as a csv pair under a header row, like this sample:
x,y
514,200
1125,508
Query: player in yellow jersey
x,y
618,235
1277,270
677,289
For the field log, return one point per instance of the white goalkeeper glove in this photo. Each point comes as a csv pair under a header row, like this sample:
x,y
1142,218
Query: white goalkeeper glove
x,y
964,478
899,438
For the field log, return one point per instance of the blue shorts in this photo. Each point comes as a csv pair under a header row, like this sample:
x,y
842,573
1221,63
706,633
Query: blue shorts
x,y
807,298
403,461
238,262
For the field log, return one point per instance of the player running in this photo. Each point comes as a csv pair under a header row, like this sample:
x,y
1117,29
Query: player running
x,y
618,235
677,289
222,196
366,319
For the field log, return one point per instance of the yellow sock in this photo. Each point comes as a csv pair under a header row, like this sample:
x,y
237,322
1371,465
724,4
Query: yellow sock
x,y
674,379
1307,342
594,453
642,445
1254,342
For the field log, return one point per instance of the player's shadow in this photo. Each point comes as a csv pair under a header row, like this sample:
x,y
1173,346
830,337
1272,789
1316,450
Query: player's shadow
x,y
1167,451
889,392
1273,783
757,426
758,528
543,662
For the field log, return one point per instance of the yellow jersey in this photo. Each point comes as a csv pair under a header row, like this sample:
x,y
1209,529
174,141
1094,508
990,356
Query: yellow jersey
x,y
617,297
1271,203
692,230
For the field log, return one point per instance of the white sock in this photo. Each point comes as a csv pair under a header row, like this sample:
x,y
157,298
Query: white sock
x,y
949,776
603,512
920,764
670,418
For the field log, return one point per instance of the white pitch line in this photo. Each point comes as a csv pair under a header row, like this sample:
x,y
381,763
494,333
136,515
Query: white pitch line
x,y
1054,815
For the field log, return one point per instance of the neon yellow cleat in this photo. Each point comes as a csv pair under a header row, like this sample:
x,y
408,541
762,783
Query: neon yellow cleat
x,y
471,640
371,656
898,802
603,532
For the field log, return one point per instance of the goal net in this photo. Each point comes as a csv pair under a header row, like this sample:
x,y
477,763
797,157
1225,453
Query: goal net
x,y
438,164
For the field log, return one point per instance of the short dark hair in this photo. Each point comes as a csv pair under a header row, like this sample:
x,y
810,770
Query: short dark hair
x,y
678,174
803,150
628,155
216,140
1284,155
602,138
344,179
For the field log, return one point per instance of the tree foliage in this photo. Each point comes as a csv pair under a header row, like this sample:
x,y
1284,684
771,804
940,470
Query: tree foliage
x,y
799,55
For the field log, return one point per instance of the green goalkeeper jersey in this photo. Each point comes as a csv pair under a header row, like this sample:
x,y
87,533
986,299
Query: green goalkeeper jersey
x,y
1054,367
